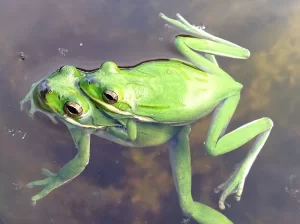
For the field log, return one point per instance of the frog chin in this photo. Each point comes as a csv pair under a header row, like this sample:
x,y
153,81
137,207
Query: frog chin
x,y
115,110
65,118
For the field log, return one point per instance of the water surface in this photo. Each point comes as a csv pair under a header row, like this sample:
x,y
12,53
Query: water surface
x,y
128,185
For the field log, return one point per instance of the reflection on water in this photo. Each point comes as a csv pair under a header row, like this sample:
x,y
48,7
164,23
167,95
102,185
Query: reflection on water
x,y
123,185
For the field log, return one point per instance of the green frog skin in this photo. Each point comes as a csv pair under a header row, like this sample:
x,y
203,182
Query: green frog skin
x,y
140,115
176,92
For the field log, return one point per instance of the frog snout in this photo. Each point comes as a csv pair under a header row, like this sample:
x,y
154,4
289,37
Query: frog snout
x,y
43,89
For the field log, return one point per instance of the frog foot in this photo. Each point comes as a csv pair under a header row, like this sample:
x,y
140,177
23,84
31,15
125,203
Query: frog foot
x,y
33,107
197,31
183,24
53,181
234,185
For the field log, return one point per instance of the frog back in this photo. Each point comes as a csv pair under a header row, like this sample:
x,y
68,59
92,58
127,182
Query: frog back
x,y
173,91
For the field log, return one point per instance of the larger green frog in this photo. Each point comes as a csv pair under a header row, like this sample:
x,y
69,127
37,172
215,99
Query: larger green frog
x,y
60,96
175,92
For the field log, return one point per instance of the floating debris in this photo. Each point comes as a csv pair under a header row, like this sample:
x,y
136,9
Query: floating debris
x,y
293,189
186,220
17,186
15,132
63,51
22,56
201,27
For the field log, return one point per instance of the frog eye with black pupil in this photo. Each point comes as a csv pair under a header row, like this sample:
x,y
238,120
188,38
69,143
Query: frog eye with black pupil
x,y
73,109
109,96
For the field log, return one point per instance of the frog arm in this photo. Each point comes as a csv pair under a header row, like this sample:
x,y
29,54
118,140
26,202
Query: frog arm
x,y
127,131
131,129
217,144
118,132
179,150
72,169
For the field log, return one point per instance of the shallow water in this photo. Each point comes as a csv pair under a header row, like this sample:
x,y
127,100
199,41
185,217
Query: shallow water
x,y
128,185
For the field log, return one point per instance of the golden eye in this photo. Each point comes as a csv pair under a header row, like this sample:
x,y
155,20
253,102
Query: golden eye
x,y
109,96
73,109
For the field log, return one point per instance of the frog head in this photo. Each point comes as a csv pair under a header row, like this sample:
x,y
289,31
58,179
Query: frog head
x,y
111,89
59,95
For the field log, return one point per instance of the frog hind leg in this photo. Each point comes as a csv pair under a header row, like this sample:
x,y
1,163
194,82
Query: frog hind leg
x,y
212,59
179,150
208,44
72,169
184,25
188,47
217,144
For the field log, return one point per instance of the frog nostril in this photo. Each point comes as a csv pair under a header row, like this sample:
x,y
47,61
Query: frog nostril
x,y
89,80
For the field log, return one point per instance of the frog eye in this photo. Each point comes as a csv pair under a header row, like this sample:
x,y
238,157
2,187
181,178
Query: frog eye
x,y
109,96
73,109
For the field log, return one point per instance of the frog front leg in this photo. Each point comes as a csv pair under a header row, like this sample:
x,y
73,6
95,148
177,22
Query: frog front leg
x,y
72,169
126,131
217,144
179,150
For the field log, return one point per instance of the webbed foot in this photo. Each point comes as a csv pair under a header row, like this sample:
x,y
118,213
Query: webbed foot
x,y
53,181
198,31
234,185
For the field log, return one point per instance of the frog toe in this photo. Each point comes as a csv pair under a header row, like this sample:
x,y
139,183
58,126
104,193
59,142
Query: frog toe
x,y
42,194
224,195
50,183
47,173
38,183
234,185
239,190
22,104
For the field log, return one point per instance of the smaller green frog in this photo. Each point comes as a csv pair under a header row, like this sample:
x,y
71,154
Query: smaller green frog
x,y
58,96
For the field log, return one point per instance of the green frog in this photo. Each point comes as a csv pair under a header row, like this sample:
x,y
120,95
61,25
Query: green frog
x,y
159,102
175,92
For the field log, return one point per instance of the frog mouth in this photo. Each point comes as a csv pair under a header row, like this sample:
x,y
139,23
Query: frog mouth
x,y
39,103
112,109
115,110
73,122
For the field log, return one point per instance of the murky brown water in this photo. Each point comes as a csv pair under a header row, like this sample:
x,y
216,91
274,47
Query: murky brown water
x,y
123,185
